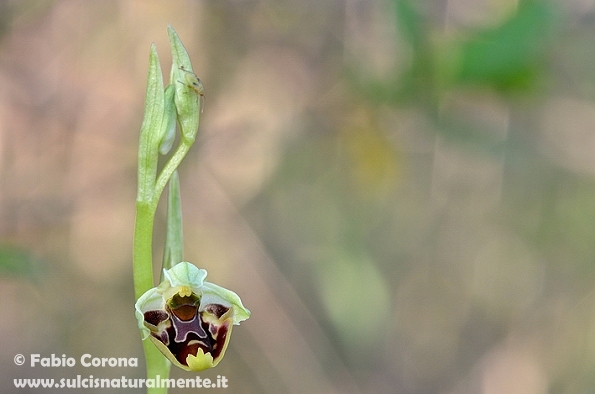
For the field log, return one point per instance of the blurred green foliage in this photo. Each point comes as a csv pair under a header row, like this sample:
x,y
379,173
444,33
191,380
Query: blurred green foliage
x,y
17,262
512,56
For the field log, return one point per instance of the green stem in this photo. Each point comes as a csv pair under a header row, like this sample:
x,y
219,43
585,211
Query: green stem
x,y
171,166
157,365
143,281
142,255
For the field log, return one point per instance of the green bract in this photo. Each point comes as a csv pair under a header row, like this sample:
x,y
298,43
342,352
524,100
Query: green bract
x,y
189,319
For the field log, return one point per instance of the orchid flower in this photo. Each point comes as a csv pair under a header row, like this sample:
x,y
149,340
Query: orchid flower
x,y
189,319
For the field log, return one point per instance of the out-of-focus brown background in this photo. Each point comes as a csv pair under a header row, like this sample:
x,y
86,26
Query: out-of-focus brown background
x,y
402,192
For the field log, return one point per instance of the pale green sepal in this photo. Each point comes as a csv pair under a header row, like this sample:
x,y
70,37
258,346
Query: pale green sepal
x,y
186,274
144,331
151,300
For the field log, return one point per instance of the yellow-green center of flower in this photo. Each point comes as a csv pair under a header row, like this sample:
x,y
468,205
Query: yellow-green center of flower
x,y
185,291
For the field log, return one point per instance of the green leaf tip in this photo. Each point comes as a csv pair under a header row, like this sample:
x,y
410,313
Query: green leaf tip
x,y
189,88
150,133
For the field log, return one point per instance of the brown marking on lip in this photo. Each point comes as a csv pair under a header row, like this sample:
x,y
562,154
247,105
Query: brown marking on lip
x,y
155,317
216,309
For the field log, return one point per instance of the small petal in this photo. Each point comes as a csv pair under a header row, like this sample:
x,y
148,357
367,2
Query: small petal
x,y
214,294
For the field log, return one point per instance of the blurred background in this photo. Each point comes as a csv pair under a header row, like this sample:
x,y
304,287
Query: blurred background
x,y
402,192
